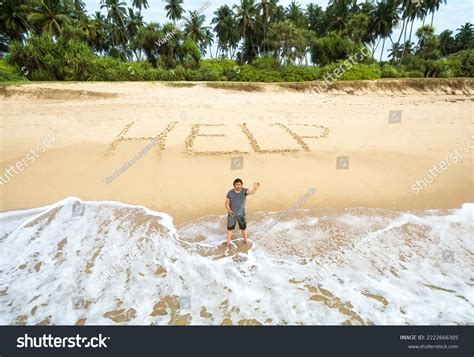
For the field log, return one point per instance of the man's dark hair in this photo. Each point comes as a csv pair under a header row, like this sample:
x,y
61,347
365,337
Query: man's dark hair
x,y
238,180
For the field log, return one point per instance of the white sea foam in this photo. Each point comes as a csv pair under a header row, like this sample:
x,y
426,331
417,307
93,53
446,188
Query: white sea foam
x,y
108,262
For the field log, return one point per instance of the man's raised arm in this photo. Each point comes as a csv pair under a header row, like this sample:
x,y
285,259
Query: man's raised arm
x,y
256,185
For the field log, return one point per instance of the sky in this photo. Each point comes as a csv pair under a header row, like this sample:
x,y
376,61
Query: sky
x,y
450,16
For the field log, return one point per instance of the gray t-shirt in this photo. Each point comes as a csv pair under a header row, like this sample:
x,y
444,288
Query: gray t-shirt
x,y
237,201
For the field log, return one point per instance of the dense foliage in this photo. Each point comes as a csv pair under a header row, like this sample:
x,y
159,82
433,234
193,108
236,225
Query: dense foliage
x,y
254,40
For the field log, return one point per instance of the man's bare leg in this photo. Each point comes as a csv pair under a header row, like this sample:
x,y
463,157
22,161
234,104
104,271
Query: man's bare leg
x,y
245,235
229,237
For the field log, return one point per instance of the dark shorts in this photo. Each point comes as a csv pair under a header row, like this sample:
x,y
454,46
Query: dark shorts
x,y
240,220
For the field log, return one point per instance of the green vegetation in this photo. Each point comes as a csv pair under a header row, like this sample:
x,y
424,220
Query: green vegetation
x,y
8,73
253,41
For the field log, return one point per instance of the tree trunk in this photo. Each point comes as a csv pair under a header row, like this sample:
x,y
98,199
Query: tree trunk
x,y
381,53
136,55
401,31
411,30
264,37
375,48
409,41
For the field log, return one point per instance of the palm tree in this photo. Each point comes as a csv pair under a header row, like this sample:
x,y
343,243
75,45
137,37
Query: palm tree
x,y
102,43
14,18
140,3
289,41
174,9
465,36
413,11
245,16
135,21
208,41
384,16
195,30
90,29
279,12
338,13
225,29
315,18
295,14
395,52
407,48
146,40
79,9
116,11
447,44
392,15
99,17
404,16
116,25
50,16
433,6
358,29
265,9
406,8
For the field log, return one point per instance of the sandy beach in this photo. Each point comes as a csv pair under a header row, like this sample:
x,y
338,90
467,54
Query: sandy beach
x,y
112,199
287,140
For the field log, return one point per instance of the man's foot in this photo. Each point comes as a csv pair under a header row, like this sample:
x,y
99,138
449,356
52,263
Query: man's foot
x,y
246,242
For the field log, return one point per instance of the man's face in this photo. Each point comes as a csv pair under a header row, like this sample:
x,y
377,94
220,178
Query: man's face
x,y
238,186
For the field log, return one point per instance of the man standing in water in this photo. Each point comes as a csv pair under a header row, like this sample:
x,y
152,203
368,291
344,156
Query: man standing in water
x,y
235,205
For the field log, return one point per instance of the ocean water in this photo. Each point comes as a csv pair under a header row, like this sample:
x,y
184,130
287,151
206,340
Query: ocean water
x,y
78,262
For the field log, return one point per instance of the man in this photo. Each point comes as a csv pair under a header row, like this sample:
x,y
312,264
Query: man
x,y
235,205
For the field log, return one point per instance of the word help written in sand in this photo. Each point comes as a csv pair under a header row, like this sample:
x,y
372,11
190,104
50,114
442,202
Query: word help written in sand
x,y
198,130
